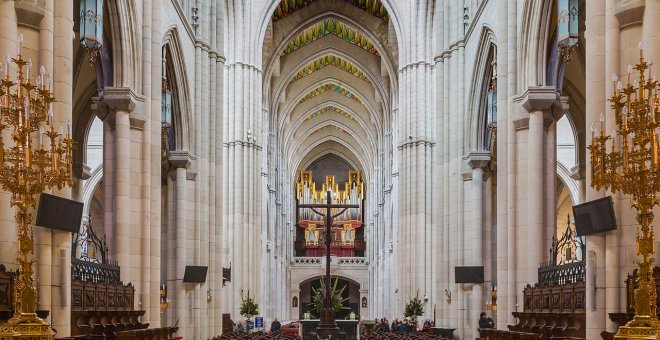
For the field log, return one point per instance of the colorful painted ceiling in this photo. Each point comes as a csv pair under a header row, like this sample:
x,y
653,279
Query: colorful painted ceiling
x,y
330,60
373,7
330,87
330,108
330,127
329,26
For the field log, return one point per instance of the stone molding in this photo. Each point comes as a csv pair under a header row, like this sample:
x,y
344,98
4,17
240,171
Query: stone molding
x,y
629,12
120,99
81,171
578,172
30,12
539,98
418,142
478,159
180,159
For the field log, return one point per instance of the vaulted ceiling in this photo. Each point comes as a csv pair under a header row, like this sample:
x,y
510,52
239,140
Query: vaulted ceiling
x,y
330,76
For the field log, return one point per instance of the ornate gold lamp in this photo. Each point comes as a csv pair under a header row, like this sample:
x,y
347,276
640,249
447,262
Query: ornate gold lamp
x,y
631,166
29,164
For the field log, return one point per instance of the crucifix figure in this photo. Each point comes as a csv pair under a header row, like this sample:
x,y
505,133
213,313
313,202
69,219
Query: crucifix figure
x,y
327,324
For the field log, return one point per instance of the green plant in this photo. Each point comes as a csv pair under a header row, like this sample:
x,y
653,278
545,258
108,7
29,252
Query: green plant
x,y
248,306
337,301
414,307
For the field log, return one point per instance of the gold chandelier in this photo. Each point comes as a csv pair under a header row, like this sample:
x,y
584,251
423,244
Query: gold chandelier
x,y
37,158
631,166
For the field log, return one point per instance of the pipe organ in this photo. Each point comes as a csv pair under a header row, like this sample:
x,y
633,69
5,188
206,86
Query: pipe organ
x,y
346,233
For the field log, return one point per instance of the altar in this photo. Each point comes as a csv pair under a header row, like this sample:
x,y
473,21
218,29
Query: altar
x,y
347,329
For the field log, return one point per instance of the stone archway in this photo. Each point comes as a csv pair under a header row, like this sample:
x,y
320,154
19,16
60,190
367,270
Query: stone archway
x,y
350,290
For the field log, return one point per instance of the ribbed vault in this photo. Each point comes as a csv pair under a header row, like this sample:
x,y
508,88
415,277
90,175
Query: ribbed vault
x,y
329,81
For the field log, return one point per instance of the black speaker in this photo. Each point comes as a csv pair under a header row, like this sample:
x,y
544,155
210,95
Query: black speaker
x,y
195,274
59,213
474,274
595,216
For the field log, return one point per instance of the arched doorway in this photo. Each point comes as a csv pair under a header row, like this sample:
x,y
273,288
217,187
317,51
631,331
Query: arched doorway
x,y
348,289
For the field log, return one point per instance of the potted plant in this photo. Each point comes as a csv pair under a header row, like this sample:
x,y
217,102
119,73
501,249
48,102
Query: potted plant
x,y
414,308
248,308
336,299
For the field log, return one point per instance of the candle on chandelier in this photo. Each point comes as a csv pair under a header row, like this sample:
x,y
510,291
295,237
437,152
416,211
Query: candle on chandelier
x,y
68,125
614,79
28,69
629,72
654,143
650,69
7,60
26,103
19,44
594,130
41,135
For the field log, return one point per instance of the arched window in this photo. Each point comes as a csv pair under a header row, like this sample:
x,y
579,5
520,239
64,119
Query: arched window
x,y
489,102
491,97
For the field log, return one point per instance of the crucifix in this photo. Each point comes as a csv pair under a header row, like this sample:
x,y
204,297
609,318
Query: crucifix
x,y
327,324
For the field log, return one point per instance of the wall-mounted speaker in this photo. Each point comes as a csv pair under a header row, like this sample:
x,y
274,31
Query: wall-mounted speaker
x,y
469,274
59,213
595,216
195,274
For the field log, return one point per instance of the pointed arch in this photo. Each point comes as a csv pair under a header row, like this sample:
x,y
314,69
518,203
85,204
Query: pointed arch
x,y
533,51
126,27
481,78
178,80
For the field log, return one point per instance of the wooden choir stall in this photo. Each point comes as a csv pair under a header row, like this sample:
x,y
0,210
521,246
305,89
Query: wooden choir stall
x,y
553,308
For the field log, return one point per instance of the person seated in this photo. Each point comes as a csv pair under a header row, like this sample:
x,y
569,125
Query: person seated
x,y
485,321
275,326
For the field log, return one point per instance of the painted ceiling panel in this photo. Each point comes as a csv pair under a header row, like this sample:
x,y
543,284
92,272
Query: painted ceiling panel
x,y
326,27
330,108
330,60
373,7
330,87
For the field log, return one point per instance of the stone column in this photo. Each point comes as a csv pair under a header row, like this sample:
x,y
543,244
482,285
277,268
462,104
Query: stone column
x,y
415,149
474,255
241,178
614,286
537,101
596,79
62,84
180,161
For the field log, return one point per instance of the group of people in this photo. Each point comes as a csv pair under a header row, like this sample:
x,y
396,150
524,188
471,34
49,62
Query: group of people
x,y
240,328
407,325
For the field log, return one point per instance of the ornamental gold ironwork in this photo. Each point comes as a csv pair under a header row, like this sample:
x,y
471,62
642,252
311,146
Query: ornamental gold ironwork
x,y
36,158
631,167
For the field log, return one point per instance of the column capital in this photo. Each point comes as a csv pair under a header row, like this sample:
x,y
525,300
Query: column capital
x,y
180,159
115,99
538,98
629,13
30,13
81,170
478,159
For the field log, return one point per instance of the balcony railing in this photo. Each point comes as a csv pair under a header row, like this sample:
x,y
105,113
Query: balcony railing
x,y
94,272
342,261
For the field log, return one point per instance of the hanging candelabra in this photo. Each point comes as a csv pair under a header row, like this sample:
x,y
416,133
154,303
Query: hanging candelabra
x,y
631,167
35,159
